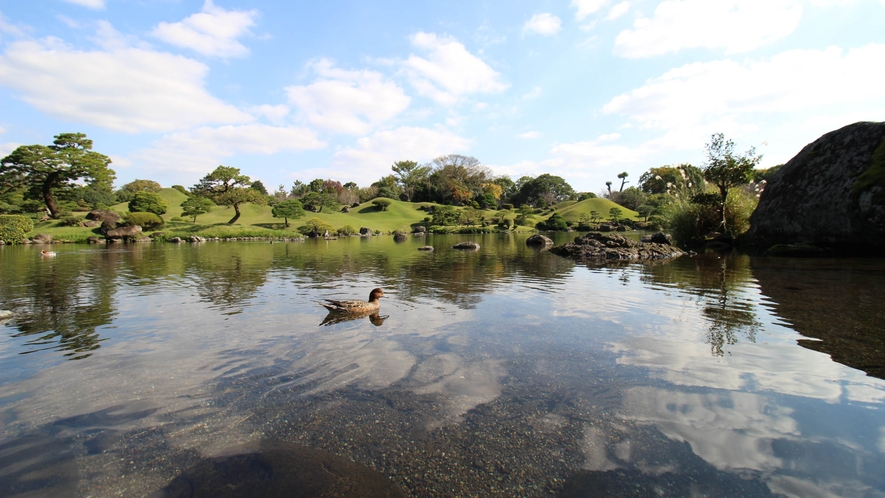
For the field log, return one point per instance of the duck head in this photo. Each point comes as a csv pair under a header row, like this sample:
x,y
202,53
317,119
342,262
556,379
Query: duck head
x,y
375,294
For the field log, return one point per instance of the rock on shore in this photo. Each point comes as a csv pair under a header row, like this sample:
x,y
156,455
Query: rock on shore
x,y
597,246
830,195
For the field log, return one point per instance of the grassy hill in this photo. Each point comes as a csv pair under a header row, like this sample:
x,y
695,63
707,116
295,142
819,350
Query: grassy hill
x,y
257,221
573,212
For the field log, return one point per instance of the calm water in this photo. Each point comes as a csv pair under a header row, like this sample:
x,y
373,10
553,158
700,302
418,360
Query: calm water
x,y
502,371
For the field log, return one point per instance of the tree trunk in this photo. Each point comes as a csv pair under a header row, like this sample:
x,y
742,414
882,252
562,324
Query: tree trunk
x,y
723,191
236,216
47,194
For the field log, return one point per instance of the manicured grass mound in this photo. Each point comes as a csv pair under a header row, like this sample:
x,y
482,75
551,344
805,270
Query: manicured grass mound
x,y
602,206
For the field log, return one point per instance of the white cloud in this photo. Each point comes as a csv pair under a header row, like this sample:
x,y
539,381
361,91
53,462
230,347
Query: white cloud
x,y
92,4
733,25
125,90
202,149
533,94
449,71
8,28
793,81
212,32
587,7
274,113
529,135
543,24
598,154
366,162
618,10
347,101
108,38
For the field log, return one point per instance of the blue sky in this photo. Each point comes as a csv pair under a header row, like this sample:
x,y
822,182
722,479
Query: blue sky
x,y
583,89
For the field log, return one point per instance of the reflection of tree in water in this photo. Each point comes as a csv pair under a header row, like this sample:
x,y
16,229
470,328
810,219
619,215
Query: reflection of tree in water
x,y
445,274
232,275
719,282
64,305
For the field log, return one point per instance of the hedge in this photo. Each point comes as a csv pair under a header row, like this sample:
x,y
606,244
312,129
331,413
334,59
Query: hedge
x,y
147,221
14,228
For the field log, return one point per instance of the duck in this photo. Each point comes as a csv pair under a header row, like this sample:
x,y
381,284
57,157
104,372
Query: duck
x,y
356,305
48,254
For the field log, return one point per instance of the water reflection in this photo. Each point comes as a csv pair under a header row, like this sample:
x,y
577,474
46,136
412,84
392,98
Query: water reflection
x,y
502,371
61,306
335,317
835,304
719,284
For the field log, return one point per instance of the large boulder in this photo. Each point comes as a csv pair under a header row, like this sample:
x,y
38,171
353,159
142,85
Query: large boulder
x,y
600,247
42,238
824,198
539,240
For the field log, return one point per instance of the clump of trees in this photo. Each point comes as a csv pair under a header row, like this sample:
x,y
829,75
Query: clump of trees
x,y
725,169
697,202
50,173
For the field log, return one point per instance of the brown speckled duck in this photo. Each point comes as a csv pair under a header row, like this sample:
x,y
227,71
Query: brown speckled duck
x,y
356,305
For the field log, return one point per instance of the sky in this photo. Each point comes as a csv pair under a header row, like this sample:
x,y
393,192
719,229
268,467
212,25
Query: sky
x,y
582,89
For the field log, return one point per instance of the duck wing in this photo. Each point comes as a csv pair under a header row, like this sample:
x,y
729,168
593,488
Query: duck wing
x,y
344,305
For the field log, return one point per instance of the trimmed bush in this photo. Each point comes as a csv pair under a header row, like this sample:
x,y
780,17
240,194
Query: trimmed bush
x,y
148,202
347,230
315,227
147,221
69,221
382,204
14,228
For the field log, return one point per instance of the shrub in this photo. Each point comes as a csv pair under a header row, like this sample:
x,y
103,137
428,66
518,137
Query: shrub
x,y
693,220
69,221
147,221
382,204
506,206
177,219
147,202
315,226
14,228
347,230
555,222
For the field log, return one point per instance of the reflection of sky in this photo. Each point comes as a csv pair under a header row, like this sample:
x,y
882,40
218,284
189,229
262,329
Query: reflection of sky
x,y
731,430
739,410
171,350
769,406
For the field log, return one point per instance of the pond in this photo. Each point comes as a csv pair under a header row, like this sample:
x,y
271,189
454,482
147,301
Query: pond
x,y
131,369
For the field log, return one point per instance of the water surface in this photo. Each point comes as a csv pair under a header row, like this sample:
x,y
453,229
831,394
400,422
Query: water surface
x,y
506,370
